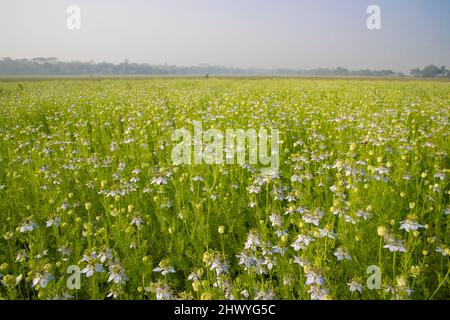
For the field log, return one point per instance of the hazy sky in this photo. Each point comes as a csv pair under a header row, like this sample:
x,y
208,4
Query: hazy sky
x,y
244,33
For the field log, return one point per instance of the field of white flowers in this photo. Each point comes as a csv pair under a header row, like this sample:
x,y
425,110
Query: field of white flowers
x,y
359,208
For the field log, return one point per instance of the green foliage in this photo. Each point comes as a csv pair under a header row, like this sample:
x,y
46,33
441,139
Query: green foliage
x,y
86,179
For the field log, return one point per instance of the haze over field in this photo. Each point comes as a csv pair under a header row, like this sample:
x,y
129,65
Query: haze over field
x,y
261,34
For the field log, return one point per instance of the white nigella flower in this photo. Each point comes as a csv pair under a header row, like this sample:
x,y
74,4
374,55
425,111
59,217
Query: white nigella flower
x,y
342,254
253,241
195,275
289,210
409,291
91,268
213,196
365,215
27,227
65,252
313,277
302,242
280,233
218,265
55,222
290,198
21,256
278,194
275,219
248,260
278,249
318,293
444,250
270,174
410,224
137,221
355,286
269,262
265,295
389,289
288,280
254,189
244,294
349,219
394,245
260,268
41,255
64,296
105,255
441,176
114,146
115,292
302,262
161,290
42,279
326,232
314,217
167,205
224,284
117,274
135,180
159,180
164,268
296,178
252,204
302,210
268,249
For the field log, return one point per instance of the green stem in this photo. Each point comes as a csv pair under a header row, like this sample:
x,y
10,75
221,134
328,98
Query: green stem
x,y
93,288
440,284
393,265
379,251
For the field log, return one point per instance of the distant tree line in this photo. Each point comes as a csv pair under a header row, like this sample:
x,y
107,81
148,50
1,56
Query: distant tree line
x,y
431,71
52,66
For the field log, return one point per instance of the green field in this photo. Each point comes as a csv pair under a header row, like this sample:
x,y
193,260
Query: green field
x,y
87,180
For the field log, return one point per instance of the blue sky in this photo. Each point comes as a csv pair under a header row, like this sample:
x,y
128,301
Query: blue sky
x,y
243,33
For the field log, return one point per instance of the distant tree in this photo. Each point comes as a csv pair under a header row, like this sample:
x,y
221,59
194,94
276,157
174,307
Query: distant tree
x,y
339,71
387,73
416,72
431,71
